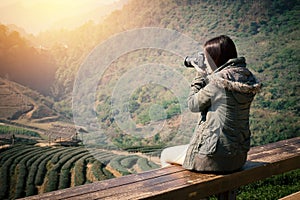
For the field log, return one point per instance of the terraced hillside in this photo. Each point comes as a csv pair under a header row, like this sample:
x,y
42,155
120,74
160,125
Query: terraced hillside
x,y
18,102
26,170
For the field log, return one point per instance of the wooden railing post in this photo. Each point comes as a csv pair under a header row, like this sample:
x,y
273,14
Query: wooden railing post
x,y
228,195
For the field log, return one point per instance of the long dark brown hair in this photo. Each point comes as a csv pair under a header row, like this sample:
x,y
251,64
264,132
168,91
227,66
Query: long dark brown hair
x,y
220,49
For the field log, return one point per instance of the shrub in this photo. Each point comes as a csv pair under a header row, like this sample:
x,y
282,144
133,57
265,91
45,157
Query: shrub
x,y
47,163
7,167
104,157
115,164
53,173
21,181
33,171
274,187
23,169
107,173
97,170
143,164
12,151
64,178
57,156
173,110
129,161
80,170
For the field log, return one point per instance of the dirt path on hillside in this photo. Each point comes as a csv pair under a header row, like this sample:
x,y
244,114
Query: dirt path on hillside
x,y
25,99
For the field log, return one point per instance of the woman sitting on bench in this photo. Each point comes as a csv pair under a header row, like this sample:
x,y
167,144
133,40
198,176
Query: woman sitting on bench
x,y
222,92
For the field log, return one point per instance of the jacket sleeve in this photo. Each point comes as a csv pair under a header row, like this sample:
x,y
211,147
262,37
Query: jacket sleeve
x,y
199,99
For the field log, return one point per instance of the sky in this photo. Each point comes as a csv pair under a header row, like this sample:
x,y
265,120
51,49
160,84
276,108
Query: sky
x,y
39,15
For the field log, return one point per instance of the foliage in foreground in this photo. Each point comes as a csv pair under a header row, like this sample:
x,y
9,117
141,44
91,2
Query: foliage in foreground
x,y
272,188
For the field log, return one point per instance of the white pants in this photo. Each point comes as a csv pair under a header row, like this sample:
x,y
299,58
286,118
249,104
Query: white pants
x,y
173,155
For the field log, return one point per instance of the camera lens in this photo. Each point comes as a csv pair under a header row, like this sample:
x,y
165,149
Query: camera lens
x,y
192,61
188,61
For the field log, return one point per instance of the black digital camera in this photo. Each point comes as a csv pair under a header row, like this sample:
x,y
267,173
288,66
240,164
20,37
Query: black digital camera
x,y
195,61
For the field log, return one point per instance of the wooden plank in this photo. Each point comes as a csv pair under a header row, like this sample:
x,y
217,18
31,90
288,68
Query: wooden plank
x,y
279,148
177,183
107,184
294,196
192,186
290,143
141,186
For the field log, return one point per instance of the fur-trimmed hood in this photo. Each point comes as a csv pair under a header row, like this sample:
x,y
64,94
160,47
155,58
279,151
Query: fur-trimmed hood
x,y
234,76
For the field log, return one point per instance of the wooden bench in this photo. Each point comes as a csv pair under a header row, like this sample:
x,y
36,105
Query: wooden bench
x,y
177,183
294,196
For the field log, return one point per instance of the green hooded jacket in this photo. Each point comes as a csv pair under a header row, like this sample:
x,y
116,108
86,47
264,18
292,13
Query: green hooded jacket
x,y
222,139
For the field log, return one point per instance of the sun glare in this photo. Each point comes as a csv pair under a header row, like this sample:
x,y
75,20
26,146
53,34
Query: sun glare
x,y
37,15
56,8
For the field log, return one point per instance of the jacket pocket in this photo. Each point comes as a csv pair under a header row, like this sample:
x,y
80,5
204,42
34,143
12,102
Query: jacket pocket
x,y
209,140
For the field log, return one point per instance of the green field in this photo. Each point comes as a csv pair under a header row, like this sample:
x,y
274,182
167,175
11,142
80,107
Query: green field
x,y
28,170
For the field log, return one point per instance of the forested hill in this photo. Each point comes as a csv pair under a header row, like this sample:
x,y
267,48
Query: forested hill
x,y
263,30
266,32
20,61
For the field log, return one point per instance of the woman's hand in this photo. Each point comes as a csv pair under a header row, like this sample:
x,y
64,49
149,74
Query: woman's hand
x,y
198,83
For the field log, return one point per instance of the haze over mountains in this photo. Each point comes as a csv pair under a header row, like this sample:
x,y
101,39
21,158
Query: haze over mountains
x,y
35,16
